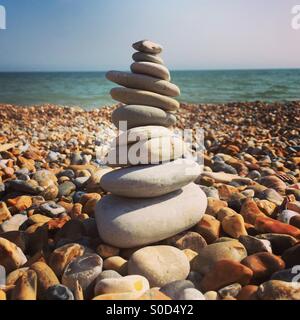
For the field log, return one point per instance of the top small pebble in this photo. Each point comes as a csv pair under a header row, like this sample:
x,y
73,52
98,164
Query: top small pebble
x,y
147,46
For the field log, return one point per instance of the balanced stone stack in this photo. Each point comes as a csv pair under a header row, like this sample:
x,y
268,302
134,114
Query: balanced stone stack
x,y
150,200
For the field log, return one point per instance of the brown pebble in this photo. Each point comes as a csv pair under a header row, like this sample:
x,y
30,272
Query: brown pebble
x,y
248,293
107,251
45,277
26,287
209,228
214,205
224,273
117,264
62,256
263,265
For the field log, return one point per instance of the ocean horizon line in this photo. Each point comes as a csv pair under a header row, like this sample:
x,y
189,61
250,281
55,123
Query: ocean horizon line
x,y
91,88
172,70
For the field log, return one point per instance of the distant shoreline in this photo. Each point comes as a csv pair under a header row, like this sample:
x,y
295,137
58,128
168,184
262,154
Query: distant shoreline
x,y
187,106
91,89
190,105
126,69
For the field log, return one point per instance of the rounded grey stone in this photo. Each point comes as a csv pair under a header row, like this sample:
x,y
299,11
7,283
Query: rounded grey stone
x,y
152,151
151,69
147,57
150,181
159,264
85,270
138,115
141,134
128,223
147,46
143,97
143,82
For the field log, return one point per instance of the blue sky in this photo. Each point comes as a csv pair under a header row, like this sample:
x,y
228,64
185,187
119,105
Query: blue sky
x,y
196,34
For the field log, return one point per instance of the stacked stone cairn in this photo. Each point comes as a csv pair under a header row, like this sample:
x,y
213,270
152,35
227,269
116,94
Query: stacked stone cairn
x,y
148,202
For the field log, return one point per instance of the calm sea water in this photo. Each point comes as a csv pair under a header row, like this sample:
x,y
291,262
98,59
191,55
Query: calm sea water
x,y
91,89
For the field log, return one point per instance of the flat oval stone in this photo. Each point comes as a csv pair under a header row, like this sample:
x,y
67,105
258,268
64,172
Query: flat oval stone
x,y
143,97
151,181
153,151
159,264
138,116
151,69
141,134
129,223
143,82
147,57
147,46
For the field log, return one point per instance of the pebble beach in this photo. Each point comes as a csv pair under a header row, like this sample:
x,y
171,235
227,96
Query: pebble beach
x,y
245,247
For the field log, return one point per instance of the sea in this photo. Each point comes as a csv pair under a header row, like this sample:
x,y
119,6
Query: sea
x,y
91,90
